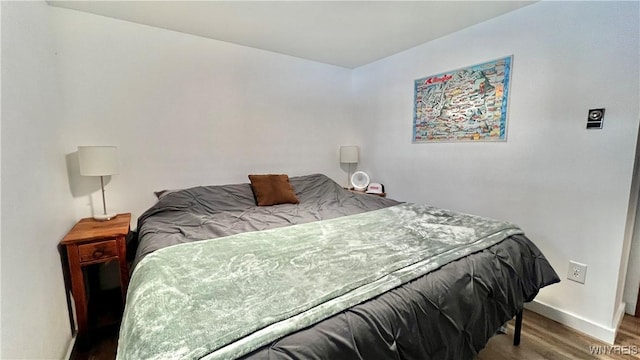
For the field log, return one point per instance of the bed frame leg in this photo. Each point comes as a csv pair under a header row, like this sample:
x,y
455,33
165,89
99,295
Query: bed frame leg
x,y
518,329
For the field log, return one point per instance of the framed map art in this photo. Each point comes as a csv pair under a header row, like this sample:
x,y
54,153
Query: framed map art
x,y
468,104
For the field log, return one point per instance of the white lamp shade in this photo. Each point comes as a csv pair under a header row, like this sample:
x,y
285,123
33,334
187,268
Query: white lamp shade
x,y
98,160
349,154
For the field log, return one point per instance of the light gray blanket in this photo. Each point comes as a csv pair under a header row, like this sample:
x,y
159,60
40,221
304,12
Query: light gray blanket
x,y
225,297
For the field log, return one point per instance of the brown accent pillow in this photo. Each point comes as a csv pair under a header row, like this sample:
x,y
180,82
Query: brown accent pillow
x,y
272,190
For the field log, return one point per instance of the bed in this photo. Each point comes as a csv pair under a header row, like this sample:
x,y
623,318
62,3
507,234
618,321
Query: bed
x,y
335,275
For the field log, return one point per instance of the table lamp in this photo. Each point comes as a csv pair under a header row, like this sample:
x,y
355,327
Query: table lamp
x,y
99,161
349,155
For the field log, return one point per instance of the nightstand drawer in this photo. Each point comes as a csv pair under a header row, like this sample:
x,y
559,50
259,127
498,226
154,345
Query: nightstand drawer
x,y
99,250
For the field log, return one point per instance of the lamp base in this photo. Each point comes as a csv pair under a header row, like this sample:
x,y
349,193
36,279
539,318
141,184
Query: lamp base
x,y
104,217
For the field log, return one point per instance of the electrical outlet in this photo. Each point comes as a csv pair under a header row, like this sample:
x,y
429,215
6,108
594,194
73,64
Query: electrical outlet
x,y
577,272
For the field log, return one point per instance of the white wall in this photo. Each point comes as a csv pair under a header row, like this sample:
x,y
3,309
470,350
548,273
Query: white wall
x,y
0,188
632,283
36,207
566,186
186,111
633,270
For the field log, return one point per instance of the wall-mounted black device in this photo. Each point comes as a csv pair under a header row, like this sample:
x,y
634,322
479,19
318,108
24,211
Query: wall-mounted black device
x,y
595,118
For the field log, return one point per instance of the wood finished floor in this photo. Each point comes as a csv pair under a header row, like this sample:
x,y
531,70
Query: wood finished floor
x,y
541,339
546,339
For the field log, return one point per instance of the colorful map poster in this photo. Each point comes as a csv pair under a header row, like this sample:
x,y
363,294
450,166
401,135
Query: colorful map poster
x,y
468,104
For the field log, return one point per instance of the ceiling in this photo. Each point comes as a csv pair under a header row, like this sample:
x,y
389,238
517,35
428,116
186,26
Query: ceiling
x,y
342,33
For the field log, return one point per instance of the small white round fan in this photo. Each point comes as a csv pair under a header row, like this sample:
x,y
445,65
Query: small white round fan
x,y
360,180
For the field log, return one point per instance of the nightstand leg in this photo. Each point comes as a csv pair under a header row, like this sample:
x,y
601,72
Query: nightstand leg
x,y
78,291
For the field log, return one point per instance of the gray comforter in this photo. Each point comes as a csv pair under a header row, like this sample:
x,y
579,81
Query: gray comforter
x,y
445,314
207,212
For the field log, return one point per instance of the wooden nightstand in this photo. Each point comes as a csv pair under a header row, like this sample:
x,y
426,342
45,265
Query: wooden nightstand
x,y
93,242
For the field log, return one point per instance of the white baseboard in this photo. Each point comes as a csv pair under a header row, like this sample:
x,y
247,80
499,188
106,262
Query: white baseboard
x,y
598,331
72,343
619,316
